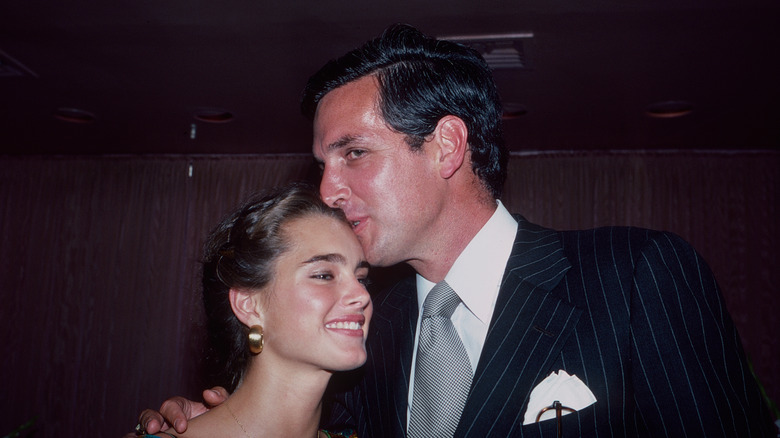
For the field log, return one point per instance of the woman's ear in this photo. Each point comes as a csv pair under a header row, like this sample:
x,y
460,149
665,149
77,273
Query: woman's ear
x,y
452,135
246,306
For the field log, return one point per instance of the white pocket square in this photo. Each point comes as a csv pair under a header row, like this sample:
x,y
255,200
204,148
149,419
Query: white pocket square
x,y
560,386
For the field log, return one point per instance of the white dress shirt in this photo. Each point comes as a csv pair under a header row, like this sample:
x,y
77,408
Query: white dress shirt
x,y
476,278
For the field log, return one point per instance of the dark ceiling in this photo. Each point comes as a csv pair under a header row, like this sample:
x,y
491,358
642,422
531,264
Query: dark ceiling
x,y
592,68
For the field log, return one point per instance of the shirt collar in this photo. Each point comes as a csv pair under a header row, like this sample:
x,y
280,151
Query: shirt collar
x,y
477,272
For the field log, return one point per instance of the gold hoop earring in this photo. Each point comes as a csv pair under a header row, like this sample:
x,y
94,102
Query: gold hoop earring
x,y
256,339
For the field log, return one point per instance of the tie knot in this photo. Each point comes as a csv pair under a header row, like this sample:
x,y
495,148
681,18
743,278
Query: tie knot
x,y
441,301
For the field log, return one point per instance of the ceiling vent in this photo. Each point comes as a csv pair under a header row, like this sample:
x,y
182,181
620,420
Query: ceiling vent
x,y
501,51
11,68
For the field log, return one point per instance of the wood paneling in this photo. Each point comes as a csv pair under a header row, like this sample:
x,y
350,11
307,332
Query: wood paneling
x,y
99,264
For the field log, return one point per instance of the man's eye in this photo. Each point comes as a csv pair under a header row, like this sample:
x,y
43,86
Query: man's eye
x,y
365,282
355,153
323,276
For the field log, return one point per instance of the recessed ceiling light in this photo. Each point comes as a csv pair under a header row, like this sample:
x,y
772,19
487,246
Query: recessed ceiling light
x,y
213,115
669,109
74,115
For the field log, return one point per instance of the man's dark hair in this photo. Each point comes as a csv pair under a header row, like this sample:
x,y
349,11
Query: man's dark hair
x,y
422,79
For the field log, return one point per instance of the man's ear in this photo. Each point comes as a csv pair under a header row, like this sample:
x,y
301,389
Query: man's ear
x,y
452,135
246,306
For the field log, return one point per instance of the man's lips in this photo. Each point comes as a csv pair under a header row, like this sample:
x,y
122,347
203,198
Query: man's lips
x,y
356,222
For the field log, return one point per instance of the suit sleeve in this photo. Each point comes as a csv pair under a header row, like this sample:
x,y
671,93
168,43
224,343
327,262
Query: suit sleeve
x,y
689,371
341,403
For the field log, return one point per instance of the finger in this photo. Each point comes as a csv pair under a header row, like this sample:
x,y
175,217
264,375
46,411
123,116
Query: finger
x,y
215,396
151,421
175,411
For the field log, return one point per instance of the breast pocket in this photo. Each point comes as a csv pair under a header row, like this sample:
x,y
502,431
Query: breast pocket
x,y
578,424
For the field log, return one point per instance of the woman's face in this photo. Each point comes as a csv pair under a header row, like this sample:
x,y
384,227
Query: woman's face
x,y
318,310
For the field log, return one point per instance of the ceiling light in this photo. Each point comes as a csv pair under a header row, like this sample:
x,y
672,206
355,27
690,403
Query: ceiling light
x,y
669,109
213,115
74,115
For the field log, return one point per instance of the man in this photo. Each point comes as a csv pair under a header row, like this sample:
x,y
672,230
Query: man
x,y
407,131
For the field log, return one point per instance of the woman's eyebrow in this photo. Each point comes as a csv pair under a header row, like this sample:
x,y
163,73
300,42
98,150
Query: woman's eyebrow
x,y
332,257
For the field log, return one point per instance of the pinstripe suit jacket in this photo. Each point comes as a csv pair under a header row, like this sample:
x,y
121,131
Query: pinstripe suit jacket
x,y
636,314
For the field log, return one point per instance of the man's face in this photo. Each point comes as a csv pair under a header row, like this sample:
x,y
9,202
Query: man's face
x,y
387,190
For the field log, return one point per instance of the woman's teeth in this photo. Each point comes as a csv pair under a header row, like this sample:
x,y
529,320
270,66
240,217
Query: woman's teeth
x,y
344,325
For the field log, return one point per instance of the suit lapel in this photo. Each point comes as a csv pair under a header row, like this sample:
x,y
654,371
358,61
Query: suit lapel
x,y
387,379
529,327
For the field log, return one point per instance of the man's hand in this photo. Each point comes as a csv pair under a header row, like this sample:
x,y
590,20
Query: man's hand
x,y
177,410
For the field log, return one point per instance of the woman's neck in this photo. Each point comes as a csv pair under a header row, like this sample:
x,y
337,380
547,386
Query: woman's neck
x,y
270,403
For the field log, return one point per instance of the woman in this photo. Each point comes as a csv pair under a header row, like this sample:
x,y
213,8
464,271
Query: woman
x,y
284,290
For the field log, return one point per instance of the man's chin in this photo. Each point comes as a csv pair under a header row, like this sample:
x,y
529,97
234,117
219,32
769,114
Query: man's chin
x,y
376,259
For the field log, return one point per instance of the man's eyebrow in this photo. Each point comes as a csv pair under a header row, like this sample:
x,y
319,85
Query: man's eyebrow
x,y
338,144
342,142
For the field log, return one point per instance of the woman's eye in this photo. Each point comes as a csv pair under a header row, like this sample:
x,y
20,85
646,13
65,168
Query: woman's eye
x,y
365,281
323,276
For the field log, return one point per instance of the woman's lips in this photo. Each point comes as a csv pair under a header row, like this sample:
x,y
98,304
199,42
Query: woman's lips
x,y
350,324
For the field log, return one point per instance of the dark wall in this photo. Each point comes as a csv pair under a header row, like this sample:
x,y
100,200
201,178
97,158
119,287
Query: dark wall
x,y
98,268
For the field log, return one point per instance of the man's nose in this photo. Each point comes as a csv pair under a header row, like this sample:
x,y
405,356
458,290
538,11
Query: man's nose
x,y
333,190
